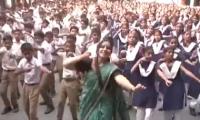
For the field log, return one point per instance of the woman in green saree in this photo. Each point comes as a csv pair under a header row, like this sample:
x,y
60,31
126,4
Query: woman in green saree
x,y
101,97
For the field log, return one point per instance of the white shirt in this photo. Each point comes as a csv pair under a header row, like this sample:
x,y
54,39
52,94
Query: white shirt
x,y
69,71
8,60
33,76
7,29
17,47
92,50
45,57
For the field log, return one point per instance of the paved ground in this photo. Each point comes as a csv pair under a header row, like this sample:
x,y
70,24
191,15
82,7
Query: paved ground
x,y
67,116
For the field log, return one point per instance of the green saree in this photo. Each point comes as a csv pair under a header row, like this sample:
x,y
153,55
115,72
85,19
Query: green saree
x,y
110,105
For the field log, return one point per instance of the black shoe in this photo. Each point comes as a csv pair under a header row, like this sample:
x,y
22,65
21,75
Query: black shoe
x,y
6,110
43,103
49,110
192,111
15,110
160,109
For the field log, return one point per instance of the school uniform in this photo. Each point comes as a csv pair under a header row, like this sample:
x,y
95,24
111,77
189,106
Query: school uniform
x,y
70,87
31,86
46,79
105,33
17,48
132,55
186,53
119,43
146,98
9,65
157,49
7,29
174,95
166,31
58,43
28,37
180,36
194,88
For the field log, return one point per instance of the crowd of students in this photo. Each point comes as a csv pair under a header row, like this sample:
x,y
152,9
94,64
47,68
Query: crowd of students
x,y
155,46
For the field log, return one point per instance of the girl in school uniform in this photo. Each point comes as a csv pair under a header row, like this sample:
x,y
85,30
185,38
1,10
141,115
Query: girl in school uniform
x,y
194,88
173,84
120,38
165,27
173,42
132,54
158,45
188,47
145,100
178,32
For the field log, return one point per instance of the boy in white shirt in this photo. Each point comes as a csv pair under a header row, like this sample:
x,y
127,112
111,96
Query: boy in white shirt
x,y
32,68
9,64
44,49
70,85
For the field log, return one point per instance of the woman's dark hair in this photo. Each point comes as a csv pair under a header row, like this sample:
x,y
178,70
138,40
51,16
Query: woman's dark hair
x,y
106,39
83,66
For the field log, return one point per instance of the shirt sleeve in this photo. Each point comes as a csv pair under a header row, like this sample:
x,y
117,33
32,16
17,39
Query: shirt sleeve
x,y
38,63
20,65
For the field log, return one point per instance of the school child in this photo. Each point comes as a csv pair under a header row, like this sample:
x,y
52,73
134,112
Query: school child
x,y
70,85
178,32
43,53
28,30
49,38
132,54
9,65
149,38
58,42
143,27
173,88
188,47
165,27
31,67
120,37
173,42
133,50
17,42
194,88
145,100
157,45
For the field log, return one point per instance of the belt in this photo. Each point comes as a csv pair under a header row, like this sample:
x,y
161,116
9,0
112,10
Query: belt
x,y
46,64
31,84
9,70
69,79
